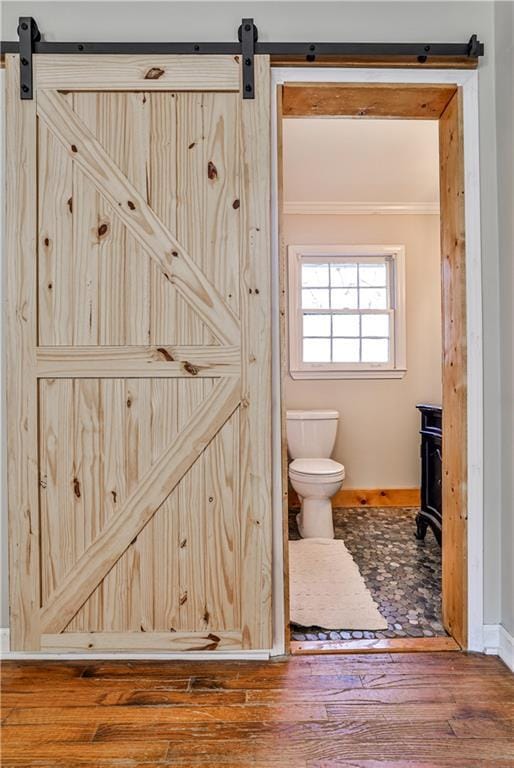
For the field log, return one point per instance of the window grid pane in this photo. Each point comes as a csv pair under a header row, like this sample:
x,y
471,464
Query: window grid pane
x,y
354,292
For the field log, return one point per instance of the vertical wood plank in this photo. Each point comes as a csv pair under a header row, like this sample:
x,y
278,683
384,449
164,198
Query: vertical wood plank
x,y
22,441
83,448
162,198
85,206
110,234
192,170
114,489
221,181
255,467
137,462
222,528
164,527
191,495
57,476
453,254
55,181
136,124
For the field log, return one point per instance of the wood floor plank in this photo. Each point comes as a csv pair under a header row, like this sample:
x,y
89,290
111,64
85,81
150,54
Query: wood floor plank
x,y
139,715
99,752
355,696
120,696
29,734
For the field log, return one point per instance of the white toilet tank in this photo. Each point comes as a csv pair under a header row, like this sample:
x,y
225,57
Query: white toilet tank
x,y
311,434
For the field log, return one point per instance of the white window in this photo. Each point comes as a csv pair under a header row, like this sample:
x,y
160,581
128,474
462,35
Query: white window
x,y
346,311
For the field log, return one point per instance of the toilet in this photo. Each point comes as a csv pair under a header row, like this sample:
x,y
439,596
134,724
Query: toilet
x,y
314,475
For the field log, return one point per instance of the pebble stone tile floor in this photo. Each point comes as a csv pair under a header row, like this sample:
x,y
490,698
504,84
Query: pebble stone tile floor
x,y
402,573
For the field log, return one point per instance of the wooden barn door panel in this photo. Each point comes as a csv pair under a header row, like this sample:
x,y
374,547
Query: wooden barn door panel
x,y
139,356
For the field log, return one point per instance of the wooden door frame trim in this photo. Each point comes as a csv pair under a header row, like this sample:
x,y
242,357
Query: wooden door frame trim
x,y
468,82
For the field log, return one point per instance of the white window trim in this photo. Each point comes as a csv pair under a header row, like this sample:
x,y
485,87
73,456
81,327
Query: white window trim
x,y
300,370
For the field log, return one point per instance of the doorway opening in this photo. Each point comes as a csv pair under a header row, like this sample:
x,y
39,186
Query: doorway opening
x,y
373,293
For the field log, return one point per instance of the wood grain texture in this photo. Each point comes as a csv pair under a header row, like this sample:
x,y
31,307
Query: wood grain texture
x,y
366,100
369,497
22,459
380,62
455,464
85,206
380,710
128,73
147,361
255,415
140,641
394,645
181,270
55,242
140,506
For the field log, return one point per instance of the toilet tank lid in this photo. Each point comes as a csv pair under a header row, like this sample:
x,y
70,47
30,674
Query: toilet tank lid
x,y
314,415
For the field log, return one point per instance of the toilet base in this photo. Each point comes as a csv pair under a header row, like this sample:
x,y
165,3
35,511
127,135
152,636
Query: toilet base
x,y
315,519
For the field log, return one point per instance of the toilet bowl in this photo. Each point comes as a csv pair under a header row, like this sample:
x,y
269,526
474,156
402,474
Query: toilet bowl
x,y
313,474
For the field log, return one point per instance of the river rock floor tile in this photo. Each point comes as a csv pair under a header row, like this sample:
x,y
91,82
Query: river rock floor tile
x,y
402,573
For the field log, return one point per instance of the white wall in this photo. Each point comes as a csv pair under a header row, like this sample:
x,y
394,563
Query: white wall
x,y
343,160
505,139
351,21
378,436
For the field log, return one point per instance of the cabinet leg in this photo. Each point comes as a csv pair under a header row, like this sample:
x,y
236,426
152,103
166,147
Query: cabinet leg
x,y
421,527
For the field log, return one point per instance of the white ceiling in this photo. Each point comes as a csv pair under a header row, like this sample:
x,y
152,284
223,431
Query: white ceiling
x,y
360,161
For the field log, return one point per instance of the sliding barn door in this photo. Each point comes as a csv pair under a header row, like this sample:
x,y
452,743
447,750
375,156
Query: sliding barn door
x,y
139,355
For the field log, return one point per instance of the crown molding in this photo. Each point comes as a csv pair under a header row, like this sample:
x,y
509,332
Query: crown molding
x,y
338,208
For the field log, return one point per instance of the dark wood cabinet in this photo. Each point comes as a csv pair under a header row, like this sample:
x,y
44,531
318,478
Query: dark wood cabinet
x,y
431,512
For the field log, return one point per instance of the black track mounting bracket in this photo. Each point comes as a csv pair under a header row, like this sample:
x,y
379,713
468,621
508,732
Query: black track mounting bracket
x,y
248,36
28,34
475,49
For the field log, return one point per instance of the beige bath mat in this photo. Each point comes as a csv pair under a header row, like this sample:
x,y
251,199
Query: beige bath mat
x,y
326,588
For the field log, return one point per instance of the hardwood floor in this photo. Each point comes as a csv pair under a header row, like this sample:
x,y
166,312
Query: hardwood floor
x,y
363,711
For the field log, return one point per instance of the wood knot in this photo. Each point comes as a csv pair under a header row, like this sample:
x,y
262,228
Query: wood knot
x,y
76,487
74,148
190,368
102,230
131,205
46,242
236,204
183,543
114,496
164,352
175,254
193,143
69,203
154,73
206,616
129,402
183,598
212,171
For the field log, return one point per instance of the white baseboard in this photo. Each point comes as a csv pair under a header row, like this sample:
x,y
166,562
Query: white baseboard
x,y
498,642
6,653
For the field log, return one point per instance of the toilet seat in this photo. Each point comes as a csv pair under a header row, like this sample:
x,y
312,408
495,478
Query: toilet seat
x,y
316,470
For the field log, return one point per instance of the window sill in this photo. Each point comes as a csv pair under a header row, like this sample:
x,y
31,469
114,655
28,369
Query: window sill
x,y
397,373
